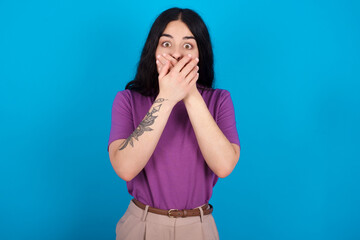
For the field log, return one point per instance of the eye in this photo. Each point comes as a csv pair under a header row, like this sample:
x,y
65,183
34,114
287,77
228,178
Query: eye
x,y
188,46
166,44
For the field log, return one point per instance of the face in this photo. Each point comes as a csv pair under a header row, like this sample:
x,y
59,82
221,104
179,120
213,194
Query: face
x,y
177,41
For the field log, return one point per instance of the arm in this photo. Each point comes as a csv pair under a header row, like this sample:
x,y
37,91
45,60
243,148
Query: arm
x,y
220,155
129,156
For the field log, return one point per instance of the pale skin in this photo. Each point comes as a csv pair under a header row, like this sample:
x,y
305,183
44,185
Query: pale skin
x,y
177,58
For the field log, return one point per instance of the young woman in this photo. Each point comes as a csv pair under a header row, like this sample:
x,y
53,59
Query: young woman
x,y
172,135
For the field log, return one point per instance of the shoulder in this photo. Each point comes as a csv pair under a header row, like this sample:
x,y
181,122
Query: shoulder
x,y
223,93
127,95
124,94
217,94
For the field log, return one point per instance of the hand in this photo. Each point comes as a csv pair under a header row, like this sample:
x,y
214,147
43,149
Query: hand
x,y
161,60
177,78
193,90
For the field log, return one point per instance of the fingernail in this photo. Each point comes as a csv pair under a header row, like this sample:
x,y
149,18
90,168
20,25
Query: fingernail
x,y
158,56
197,59
189,55
157,61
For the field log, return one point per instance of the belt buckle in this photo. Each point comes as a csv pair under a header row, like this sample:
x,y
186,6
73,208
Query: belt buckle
x,y
170,212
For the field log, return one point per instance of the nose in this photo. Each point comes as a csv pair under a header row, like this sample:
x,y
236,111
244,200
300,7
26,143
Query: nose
x,y
177,54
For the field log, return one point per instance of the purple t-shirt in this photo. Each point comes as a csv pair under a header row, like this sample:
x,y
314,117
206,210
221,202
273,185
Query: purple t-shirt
x,y
176,175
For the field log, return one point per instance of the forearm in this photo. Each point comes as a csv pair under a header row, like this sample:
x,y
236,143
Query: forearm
x,y
135,151
216,149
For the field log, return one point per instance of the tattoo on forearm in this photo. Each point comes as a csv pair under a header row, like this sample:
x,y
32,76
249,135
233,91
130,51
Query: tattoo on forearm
x,y
160,100
144,125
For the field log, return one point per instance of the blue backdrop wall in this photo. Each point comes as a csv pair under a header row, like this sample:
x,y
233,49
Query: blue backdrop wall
x,y
292,68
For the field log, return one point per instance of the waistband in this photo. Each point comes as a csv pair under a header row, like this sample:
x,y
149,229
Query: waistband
x,y
203,210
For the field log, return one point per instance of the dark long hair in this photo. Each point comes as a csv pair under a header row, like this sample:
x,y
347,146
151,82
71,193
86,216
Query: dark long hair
x,y
146,78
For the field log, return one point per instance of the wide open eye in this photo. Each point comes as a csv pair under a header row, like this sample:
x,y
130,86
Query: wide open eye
x,y
188,46
166,44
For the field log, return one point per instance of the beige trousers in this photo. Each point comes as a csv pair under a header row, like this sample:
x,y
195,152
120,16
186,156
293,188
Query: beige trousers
x,y
139,224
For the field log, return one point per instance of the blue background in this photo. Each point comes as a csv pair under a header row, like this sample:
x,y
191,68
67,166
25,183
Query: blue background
x,y
292,68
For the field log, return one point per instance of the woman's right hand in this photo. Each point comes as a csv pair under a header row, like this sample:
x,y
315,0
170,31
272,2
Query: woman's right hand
x,y
176,78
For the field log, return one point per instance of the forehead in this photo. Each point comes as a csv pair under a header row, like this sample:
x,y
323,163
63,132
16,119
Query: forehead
x,y
177,29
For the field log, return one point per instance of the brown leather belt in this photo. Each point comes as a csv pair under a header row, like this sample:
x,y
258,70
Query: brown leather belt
x,y
176,212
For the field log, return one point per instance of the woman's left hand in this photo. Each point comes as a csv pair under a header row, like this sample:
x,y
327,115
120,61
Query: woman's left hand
x,y
193,91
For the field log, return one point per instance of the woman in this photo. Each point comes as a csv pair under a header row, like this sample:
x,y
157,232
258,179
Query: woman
x,y
172,135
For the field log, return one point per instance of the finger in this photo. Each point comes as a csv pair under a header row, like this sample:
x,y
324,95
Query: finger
x,y
170,58
162,59
194,80
189,67
179,65
164,70
192,74
159,65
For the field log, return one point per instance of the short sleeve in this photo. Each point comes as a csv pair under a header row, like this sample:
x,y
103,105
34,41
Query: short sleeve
x,y
121,117
226,118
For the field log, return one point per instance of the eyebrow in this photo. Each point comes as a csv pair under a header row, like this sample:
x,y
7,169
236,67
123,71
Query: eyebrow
x,y
168,35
